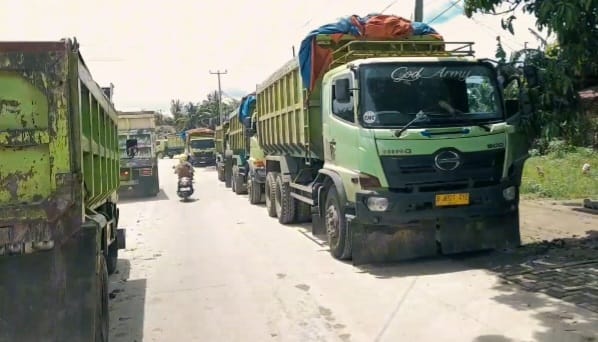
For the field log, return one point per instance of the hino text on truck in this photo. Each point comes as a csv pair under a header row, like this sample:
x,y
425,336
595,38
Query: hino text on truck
x,y
397,145
59,163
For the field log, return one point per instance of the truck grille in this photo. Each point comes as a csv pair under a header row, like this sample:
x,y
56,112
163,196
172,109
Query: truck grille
x,y
419,173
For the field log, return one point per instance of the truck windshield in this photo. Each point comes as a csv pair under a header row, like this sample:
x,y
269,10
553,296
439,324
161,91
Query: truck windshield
x,y
202,144
392,94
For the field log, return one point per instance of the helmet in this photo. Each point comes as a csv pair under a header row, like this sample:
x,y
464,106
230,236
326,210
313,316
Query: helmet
x,y
183,158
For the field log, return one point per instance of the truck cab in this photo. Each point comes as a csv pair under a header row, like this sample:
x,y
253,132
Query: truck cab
x,y
425,143
200,146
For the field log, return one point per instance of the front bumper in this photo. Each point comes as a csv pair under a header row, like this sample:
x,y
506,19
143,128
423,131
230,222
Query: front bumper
x,y
412,226
203,160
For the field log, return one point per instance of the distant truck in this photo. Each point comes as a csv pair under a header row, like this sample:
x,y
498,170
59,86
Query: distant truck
x,y
397,146
175,145
138,159
59,166
199,145
247,169
161,147
220,144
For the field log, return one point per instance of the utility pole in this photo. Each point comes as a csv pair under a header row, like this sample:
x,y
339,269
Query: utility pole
x,y
419,10
218,73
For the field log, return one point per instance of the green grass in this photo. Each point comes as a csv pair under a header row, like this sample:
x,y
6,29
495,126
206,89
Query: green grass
x,y
562,178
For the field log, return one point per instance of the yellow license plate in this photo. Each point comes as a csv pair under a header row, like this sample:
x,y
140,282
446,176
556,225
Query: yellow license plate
x,y
452,199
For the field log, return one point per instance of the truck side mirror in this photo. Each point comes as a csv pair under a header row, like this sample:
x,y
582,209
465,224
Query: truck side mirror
x,y
342,93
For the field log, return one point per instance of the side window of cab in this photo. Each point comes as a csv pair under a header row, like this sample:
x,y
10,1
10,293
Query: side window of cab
x,y
343,105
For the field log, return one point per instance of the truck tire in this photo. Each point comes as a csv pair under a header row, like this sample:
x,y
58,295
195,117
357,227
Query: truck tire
x,y
102,320
227,175
285,204
220,174
233,179
112,257
303,212
254,190
336,226
270,189
240,187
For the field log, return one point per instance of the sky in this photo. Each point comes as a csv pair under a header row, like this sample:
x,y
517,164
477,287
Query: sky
x,y
155,51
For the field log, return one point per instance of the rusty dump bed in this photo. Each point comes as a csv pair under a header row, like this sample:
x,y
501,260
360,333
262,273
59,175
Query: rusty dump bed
x,y
58,143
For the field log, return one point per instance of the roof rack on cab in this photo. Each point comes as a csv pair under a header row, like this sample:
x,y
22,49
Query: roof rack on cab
x,y
348,48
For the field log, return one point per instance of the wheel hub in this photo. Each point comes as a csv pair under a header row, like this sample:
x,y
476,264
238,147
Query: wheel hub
x,y
332,222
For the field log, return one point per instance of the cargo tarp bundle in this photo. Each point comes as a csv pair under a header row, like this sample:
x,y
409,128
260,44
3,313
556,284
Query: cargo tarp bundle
x,y
246,107
197,131
315,60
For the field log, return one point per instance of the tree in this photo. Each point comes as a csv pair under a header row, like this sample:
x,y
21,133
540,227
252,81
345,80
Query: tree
x,y
200,114
574,22
567,66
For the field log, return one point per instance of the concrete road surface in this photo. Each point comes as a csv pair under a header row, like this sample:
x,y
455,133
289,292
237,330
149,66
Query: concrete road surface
x,y
219,269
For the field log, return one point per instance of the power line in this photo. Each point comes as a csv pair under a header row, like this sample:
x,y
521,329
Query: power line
x,y
453,4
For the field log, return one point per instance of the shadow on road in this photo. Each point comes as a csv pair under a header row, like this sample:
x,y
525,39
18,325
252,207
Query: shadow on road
x,y
127,304
127,198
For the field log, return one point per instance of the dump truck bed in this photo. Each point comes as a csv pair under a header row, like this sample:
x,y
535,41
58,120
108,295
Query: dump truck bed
x,y
236,137
56,124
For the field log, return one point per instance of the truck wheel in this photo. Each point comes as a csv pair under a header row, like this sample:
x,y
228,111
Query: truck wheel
x,y
220,174
285,204
270,189
254,189
336,226
303,212
227,177
240,187
102,320
112,257
233,180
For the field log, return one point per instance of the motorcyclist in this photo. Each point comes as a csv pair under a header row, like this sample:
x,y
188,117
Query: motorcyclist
x,y
184,169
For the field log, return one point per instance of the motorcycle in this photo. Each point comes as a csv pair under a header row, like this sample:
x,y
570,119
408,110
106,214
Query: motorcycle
x,y
185,188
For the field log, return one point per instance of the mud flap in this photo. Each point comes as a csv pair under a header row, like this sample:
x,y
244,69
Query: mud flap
x,y
51,296
317,222
121,238
381,244
457,235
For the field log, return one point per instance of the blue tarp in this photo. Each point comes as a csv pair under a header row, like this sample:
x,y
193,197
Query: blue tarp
x,y
246,107
346,25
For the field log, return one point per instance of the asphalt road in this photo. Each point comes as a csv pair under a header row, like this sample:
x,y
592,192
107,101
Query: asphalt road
x,y
219,269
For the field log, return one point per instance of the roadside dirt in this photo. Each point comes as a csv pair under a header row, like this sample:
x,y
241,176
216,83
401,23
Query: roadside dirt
x,y
559,256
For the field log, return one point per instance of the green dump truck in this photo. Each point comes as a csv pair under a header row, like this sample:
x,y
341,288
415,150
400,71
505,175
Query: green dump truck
x,y
59,165
402,148
138,158
220,143
247,168
175,145
200,146
161,147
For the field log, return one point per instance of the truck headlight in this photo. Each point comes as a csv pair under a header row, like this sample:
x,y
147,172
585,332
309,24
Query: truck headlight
x,y
509,193
377,203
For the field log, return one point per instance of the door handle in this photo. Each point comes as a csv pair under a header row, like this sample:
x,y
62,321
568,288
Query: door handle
x,y
332,142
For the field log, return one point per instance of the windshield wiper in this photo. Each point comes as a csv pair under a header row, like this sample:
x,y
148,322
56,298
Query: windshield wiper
x,y
420,116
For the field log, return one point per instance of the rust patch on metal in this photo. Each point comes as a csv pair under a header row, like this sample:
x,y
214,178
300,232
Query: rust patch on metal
x,y
11,181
